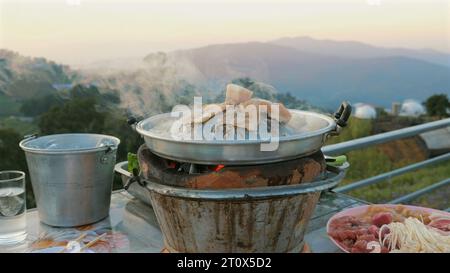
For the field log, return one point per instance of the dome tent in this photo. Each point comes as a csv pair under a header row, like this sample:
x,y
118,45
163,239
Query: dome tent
x,y
412,108
364,111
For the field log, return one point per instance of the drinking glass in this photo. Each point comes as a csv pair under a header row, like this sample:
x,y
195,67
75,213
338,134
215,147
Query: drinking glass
x,y
12,207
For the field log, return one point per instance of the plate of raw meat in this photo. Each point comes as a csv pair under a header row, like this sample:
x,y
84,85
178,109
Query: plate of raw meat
x,y
390,228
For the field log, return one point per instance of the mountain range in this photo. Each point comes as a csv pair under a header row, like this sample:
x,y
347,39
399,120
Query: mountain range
x,y
323,75
352,49
319,72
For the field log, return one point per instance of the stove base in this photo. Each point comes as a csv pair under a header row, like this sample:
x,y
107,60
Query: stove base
x,y
306,249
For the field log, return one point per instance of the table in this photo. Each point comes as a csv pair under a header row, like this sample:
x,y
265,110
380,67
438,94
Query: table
x,y
132,227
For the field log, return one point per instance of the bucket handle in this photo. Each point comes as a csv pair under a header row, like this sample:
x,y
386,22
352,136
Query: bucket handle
x,y
31,136
109,149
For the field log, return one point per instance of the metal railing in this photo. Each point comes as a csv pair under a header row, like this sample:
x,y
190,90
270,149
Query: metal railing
x,y
365,142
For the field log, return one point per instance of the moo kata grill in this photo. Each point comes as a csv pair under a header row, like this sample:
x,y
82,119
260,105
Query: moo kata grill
x,y
231,196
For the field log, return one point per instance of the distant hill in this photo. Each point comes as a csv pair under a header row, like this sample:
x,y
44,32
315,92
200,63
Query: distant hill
x,y
30,86
25,77
352,49
322,80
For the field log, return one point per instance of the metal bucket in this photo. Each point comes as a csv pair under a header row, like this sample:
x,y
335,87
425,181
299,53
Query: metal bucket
x,y
266,219
71,176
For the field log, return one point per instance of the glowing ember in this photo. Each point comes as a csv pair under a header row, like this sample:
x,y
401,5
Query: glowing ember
x,y
218,168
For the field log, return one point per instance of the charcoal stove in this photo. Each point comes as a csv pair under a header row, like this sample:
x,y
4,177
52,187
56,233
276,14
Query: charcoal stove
x,y
201,176
233,208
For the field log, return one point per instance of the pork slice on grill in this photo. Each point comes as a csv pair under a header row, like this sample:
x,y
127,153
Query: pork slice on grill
x,y
298,123
236,94
284,114
208,112
240,117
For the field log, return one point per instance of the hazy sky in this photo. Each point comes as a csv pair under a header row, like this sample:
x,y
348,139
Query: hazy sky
x,y
80,31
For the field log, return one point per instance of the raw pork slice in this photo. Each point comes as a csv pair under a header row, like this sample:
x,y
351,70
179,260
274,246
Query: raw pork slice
x,y
440,221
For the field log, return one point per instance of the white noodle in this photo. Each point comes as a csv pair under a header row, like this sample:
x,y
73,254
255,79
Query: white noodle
x,y
413,236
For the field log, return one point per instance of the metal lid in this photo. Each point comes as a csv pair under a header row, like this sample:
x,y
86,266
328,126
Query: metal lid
x,y
158,127
69,143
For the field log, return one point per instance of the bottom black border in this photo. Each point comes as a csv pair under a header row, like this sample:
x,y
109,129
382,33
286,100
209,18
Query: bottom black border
x,y
157,262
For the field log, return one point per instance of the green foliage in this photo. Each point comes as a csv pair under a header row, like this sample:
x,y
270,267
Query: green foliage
x,y
35,106
83,91
186,95
38,105
8,106
133,162
356,128
76,116
291,102
407,183
10,153
381,113
112,97
29,88
438,105
367,162
106,98
244,82
20,125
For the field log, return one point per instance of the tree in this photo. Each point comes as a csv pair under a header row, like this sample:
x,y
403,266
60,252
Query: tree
x,y
381,113
76,116
244,82
36,106
438,105
84,91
